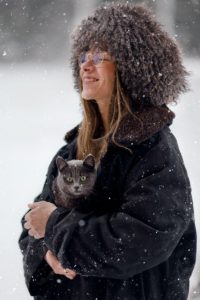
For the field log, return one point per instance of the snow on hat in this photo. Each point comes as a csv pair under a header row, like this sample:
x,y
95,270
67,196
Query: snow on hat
x,y
148,60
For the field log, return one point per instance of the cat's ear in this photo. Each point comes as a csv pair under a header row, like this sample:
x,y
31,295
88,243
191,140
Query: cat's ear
x,y
61,163
89,161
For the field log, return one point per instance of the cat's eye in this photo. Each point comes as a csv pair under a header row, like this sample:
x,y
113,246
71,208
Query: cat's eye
x,y
83,178
68,179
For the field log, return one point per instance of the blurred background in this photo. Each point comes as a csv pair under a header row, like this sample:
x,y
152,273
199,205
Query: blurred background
x,y
39,30
38,105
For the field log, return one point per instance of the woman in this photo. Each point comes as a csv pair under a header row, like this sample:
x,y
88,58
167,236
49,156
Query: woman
x,y
135,238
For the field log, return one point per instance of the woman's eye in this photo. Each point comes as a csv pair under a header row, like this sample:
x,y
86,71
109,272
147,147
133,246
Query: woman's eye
x,y
83,178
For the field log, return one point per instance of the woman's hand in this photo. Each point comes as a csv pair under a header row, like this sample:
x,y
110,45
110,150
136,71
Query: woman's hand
x,y
56,266
37,217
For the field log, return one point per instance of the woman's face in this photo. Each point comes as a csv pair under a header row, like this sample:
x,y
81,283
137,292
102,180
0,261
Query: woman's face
x,y
97,73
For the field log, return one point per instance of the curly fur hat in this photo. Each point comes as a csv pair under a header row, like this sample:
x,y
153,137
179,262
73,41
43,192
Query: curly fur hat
x,y
148,60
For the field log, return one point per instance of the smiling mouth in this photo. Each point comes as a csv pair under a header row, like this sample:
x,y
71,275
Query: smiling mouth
x,y
90,80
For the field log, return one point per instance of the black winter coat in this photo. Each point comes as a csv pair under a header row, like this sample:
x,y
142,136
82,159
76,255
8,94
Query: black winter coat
x,y
136,239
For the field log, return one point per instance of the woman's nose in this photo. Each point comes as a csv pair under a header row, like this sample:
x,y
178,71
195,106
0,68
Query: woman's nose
x,y
88,65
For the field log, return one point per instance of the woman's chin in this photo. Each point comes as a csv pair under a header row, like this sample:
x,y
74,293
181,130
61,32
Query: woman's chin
x,y
87,95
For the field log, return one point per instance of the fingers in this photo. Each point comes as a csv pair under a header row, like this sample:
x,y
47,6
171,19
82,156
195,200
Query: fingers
x,y
70,274
31,232
69,271
57,267
36,204
26,218
34,234
32,205
41,204
27,225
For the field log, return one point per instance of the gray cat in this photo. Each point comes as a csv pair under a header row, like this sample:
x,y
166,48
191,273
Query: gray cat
x,y
75,180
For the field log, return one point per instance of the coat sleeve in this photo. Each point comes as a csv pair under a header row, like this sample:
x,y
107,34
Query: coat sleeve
x,y
36,270
143,232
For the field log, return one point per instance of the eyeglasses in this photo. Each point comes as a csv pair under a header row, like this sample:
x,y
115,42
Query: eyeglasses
x,y
96,58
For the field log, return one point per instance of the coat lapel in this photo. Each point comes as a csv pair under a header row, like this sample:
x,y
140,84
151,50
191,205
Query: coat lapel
x,y
137,127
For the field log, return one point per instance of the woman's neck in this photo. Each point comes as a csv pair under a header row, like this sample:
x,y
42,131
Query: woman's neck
x,y
104,111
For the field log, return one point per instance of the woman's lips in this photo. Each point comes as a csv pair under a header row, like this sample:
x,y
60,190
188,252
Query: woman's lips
x,y
89,79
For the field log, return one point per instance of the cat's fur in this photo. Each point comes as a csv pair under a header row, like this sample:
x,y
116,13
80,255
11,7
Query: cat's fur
x,y
75,180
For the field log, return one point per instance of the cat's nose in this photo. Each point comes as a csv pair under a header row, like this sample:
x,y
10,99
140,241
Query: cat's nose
x,y
76,188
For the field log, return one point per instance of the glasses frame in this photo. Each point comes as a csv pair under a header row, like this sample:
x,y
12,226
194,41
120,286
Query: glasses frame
x,y
97,58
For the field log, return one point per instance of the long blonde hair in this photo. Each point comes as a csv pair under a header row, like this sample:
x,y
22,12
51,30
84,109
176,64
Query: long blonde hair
x,y
92,137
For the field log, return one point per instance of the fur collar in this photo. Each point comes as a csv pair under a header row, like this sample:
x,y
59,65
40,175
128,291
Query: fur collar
x,y
137,128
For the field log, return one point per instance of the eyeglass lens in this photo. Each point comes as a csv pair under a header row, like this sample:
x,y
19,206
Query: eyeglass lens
x,y
96,58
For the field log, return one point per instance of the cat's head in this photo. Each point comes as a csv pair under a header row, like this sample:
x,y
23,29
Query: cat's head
x,y
76,178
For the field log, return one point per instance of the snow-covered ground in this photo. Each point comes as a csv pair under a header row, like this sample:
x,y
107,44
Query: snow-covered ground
x,y
37,106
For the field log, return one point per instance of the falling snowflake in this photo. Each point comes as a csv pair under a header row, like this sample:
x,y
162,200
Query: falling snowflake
x,y
81,223
59,281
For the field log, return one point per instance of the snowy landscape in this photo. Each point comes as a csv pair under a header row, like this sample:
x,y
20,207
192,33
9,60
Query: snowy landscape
x,y
37,106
